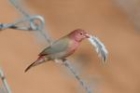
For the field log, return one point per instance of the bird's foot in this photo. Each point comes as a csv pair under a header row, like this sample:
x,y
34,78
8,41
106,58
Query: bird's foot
x,y
58,61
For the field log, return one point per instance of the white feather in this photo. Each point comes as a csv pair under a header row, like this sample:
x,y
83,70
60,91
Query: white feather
x,y
99,47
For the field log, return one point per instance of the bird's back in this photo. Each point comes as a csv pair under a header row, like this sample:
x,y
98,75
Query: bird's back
x,y
58,46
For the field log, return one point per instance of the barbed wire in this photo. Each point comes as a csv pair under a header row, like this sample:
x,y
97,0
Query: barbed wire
x,y
31,21
33,26
82,82
22,11
5,87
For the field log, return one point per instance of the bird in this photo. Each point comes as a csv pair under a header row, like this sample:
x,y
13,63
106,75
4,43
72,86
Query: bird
x,y
61,48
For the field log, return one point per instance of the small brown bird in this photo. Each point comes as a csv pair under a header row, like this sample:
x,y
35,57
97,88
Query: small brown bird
x,y
61,48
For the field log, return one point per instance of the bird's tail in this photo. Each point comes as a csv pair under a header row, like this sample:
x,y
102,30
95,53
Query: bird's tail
x,y
40,60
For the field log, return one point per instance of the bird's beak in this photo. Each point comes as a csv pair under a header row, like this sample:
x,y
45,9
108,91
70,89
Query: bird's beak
x,y
87,35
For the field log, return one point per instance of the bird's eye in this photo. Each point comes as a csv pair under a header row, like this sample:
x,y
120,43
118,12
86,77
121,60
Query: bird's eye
x,y
81,33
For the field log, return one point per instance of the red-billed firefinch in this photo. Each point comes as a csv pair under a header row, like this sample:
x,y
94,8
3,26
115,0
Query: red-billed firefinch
x,y
61,48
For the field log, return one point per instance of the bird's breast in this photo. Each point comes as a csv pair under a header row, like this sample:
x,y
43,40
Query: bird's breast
x,y
72,47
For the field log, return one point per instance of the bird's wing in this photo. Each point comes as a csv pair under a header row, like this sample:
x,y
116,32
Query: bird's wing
x,y
58,46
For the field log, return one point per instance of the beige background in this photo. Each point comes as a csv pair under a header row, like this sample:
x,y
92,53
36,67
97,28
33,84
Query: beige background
x,y
103,18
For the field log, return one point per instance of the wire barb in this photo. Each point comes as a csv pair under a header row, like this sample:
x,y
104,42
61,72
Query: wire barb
x,y
33,23
24,13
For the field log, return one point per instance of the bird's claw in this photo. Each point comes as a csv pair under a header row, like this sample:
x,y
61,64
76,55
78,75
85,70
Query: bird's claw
x,y
58,61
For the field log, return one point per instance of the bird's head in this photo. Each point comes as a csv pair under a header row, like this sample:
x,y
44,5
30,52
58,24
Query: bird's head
x,y
78,35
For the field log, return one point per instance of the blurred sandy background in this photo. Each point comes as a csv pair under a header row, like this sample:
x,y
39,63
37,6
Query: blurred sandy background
x,y
116,23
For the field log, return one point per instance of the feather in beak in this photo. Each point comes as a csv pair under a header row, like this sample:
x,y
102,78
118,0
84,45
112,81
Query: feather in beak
x,y
99,46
